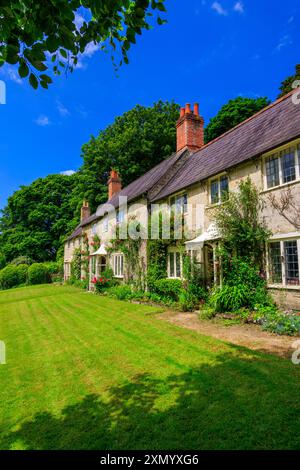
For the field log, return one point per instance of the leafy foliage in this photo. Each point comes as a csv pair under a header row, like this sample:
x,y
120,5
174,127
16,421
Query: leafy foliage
x,y
39,35
238,220
232,114
287,84
38,274
21,260
170,288
37,218
280,323
9,277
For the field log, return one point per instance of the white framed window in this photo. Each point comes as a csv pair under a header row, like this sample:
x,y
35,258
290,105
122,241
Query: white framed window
x,y
105,224
174,264
94,229
282,167
284,262
179,203
219,188
118,265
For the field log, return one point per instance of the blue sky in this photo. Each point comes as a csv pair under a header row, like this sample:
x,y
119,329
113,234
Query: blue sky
x,y
208,52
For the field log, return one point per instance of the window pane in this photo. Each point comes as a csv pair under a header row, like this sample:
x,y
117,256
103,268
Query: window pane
x,y
288,165
122,265
272,171
178,267
214,191
224,187
185,202
171,260
275,265
291,263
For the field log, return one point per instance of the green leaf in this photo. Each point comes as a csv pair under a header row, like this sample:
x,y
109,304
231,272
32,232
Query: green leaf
x,y
33,81
63,53
23,70
46,78
39,66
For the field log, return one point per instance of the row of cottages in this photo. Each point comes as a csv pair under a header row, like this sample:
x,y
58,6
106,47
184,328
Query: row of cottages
x,y
265,147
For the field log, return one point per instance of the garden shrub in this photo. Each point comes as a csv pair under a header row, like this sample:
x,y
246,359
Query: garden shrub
x,y
168,288
230,298
188,301
22,270
38,274
206,313
21,260
122,292
55,269
281,323
9,277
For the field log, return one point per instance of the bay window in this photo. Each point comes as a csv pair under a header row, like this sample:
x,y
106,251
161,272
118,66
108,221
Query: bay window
x,y
284,261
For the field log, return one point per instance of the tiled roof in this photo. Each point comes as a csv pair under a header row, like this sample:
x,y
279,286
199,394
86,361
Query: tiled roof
x,y
271,127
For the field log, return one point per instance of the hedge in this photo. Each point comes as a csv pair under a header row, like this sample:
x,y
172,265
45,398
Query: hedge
x,y
38,273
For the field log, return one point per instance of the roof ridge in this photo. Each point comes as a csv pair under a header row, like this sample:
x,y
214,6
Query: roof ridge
x,y
271,105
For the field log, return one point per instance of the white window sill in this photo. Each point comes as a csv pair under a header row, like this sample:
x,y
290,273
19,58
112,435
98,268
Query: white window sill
x,y
283,287
119,277
280,186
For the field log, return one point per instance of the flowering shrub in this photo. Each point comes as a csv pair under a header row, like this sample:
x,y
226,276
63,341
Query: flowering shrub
x,y
100,283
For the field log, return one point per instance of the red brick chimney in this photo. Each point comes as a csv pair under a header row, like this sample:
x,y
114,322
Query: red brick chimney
x,y
85,211
114,184
190,129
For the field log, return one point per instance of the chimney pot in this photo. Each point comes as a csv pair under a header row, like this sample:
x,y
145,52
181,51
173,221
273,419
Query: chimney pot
x,y
188,108
190,129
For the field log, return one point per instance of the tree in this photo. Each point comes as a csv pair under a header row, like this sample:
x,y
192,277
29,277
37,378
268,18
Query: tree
x,y
36,33
38,217
136,142
240,225
232,114
287,84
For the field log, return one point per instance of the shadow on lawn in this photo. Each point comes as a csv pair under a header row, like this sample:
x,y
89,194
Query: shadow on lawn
x,y
246,402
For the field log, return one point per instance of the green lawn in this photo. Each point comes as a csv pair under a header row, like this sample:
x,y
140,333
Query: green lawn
x,y
85,372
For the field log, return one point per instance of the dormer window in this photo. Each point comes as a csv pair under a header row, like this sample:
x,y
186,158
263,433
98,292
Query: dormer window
x,y
219,188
